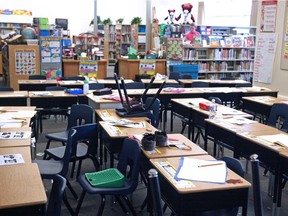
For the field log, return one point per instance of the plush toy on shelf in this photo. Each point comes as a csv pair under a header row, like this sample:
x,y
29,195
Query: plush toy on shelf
x,y
188,17
171,19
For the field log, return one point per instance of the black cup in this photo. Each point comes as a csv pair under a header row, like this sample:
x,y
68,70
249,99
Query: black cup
x,y
161,138
148,142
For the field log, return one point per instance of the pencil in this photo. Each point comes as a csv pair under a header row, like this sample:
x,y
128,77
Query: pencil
x,y
158,151
206,165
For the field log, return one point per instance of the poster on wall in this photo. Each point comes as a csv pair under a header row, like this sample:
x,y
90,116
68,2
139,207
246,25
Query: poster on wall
x,y
88,68
25,61
268,16
147,66
264,57
284,55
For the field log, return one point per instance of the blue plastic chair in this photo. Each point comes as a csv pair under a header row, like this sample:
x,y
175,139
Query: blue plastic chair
x,y
73,78
128,165
278,116
6,89
199,84
174,75
135,85
95,86
37,77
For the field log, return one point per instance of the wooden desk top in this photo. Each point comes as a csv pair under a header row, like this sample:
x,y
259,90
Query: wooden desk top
x,y
21,185
33,94
7,143
12,94
37,82
24,151
169,81
265,100
116,132
112,81
18,108
70,82
198,186
100,99
163,152
187,81
222,111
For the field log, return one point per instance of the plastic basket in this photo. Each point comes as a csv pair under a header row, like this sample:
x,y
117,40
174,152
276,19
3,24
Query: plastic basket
x,y
106,178
132,57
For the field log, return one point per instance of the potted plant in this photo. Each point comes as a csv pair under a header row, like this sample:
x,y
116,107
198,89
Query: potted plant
x,y
120,20
136,20
107,21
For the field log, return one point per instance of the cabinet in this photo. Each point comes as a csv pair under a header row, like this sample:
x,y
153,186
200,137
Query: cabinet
x,y
223,52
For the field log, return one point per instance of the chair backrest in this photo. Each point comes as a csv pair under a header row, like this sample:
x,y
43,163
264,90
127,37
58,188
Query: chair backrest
x,y
243,85
129,160
197,84
235,165
258,205
6,89
56,196
109,78
278,116
95,86
88,134
216,99
154,111
185,76
55,88
80,114
73,78
135,85
174,75
37,77
227,78
155,192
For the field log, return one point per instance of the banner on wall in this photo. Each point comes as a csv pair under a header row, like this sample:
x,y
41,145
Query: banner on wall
x,y
147,66
88,68
15,12
25,61
268,16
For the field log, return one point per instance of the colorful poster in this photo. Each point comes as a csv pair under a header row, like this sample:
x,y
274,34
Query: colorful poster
x,y
147,66
268,16
88,68
25,61
174,49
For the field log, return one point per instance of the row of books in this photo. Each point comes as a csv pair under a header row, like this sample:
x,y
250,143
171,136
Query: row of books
x,y
226,66
245,76
221,41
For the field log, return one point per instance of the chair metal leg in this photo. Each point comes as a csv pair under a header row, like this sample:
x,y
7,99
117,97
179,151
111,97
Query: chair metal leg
x,y
129,205
101,208
121,204
67,204
80,202
71,189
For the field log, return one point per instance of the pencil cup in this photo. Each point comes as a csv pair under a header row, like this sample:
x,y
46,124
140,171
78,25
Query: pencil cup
x,y
161,138
148,142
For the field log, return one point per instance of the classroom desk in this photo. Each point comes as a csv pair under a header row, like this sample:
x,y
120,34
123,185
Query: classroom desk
x,y
200,196
98,102
25,151
15,98
260,104
157,83
22,191
35,85
213,83
189,109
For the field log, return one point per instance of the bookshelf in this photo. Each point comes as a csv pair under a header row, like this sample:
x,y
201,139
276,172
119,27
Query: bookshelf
x,y
223,52
6,27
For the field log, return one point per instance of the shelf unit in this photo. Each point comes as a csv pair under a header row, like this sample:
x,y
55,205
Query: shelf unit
x,y
224,52
85,42
6,27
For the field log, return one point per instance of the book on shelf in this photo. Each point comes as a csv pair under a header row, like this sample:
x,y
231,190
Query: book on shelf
x,y
228,41
238,41
214,41
197,41
249,41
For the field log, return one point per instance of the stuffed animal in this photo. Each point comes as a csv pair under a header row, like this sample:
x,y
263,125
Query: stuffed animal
x,y
171,17
188,17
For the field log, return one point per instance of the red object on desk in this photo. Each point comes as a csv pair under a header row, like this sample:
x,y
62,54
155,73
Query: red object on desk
x,y
205,105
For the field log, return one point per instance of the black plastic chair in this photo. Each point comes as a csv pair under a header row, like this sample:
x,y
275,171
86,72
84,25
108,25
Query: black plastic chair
x,y
227,78
109,78
37,77
129,163
95,86
155,192
87,135
258,205
135,85
199,84
56,196
185,76
243,85
154,110
79,114
278,116
73,78
174,75
55,88
6,89
50,168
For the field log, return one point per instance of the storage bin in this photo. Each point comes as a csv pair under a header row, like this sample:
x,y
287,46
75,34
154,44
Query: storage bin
x,y
44,33
191,69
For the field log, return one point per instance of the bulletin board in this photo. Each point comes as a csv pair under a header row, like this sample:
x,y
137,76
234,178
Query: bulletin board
x,y
284,54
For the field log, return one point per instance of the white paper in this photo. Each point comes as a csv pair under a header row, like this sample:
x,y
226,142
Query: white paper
x,y
43,93
228,111
128,123
11,159
280,139
15,135
240,121
213,171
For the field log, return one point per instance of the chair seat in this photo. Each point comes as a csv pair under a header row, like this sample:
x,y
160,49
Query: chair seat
x,y
49,168
59,136
126,189
58,153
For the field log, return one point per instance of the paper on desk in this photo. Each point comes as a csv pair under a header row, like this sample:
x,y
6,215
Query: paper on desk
x,y
15,135
240,121
213,171
127,123
11,159
43,93
17,114
228,111
280,139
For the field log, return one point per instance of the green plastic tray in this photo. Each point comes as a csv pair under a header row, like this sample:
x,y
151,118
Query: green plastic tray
x,y
106,178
